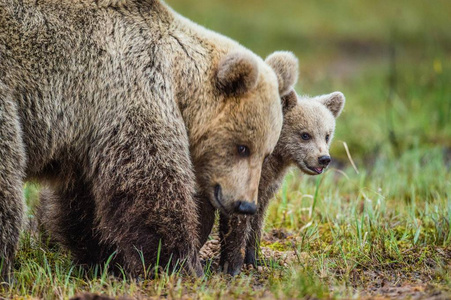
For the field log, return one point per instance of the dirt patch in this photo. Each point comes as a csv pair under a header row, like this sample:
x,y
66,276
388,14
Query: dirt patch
x,y
393,283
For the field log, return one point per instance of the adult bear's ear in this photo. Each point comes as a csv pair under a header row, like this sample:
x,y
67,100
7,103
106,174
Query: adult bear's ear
x,y
237,73
289,101
334,102
285,65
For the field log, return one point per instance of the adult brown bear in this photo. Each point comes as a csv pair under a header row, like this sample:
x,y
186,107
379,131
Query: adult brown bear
x,y
112,105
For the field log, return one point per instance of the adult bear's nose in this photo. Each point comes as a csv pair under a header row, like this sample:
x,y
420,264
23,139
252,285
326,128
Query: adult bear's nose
x,y
245,208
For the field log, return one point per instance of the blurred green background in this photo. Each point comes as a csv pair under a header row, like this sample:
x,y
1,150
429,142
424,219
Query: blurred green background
x,y
391,59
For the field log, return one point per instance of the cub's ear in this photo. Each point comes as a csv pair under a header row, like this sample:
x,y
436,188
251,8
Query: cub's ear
x,y
334,102
289,101
237,73
285,64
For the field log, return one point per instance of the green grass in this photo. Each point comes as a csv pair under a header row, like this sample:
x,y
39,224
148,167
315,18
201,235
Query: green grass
x,y
393,219
348,234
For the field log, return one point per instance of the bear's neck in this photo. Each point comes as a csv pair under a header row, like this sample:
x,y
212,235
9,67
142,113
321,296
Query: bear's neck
x,y
273,172
196,54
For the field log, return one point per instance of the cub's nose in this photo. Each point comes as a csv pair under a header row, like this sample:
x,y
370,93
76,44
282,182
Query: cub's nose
x,y
324,160
245,208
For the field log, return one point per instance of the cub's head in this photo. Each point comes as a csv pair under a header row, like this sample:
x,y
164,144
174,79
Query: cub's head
x,y
308,129
229,154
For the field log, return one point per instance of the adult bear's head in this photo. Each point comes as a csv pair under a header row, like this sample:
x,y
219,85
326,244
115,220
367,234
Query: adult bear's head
x,y
229,154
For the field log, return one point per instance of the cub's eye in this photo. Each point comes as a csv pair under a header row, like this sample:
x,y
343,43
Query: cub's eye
x,y
266,158
327,138
243,151
305,136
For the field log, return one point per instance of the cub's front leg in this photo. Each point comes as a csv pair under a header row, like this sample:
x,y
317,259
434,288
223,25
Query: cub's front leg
x,y
233,232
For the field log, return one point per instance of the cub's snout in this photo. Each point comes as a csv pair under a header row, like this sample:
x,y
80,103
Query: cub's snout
x,y
324,160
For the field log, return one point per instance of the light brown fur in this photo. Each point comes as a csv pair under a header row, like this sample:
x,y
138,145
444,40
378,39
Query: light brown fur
x,y
315,116
113,105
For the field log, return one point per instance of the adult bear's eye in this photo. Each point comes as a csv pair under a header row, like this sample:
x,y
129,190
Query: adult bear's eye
x,y
243,151
327,138
305,136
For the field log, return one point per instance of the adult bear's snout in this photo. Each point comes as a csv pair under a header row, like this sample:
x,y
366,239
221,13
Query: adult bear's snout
x,y
245,208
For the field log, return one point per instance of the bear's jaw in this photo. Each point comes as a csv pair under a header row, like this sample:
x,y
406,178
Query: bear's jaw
x,y
318,170
309,170
217,198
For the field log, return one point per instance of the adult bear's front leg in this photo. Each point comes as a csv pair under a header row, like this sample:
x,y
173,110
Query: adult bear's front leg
x,y
12,164
144,187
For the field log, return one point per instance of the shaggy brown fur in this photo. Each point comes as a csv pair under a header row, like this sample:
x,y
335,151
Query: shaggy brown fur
x,y
240,235
113,105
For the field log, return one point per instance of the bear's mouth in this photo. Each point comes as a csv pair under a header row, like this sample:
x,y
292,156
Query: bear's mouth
x,y
316,170
218,198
